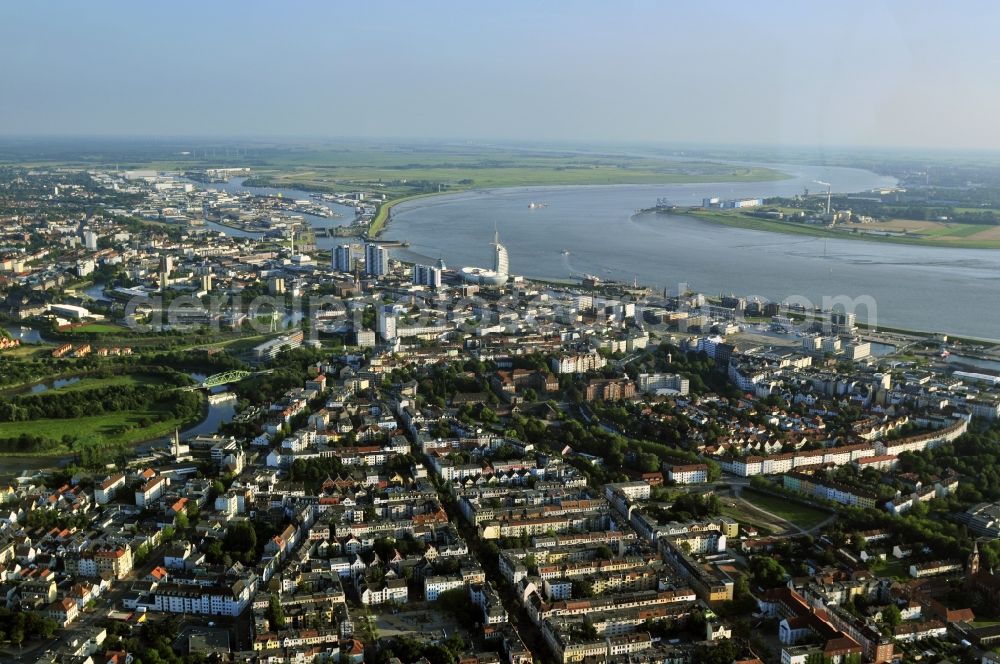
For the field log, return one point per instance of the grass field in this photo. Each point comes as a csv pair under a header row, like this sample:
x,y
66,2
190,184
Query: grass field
x,y
89,383
27,351
99,428
897,569
98,328
748,518
106,427
519,173
801,515
931,234
400,164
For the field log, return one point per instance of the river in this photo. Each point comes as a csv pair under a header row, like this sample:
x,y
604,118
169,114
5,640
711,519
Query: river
x,y
918,288
235,186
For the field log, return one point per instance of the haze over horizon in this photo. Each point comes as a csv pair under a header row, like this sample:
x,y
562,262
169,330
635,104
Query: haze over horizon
x,y
859,74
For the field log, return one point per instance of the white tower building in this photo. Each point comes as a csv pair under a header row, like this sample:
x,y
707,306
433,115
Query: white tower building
x,y
500,261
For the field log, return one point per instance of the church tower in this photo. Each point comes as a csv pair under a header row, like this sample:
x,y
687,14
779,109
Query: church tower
x,y
972,567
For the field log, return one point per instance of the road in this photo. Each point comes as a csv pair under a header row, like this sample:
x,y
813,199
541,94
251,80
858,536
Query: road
x,y
519,620
793,529
90,617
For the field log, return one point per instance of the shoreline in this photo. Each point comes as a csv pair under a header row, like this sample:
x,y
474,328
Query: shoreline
x,y
383,216
790,228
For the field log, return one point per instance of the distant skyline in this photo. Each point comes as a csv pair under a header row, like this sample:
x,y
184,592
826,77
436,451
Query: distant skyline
x,y
878,74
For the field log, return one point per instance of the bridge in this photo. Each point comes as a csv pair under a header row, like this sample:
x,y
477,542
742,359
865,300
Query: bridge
x,y
224,378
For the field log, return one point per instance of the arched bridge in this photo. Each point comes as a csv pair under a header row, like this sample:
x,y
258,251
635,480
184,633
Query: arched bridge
x,y
225,377
233,376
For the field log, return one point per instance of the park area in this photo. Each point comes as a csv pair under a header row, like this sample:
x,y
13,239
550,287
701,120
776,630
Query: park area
x,y
803,516
772,515
72,412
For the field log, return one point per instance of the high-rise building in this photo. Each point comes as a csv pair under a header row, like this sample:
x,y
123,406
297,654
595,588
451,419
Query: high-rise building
x,y
376,260
90,240
342,258
276,285
500,261
386,322
427,275
206,283
166,267
498,275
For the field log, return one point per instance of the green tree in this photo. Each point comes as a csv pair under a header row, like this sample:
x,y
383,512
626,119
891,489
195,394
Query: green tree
x,y
891,615
181,521
767,572
582,589
275,613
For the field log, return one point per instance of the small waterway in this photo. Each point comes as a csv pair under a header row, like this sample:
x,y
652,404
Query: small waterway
x,y
54,385
959,361
26,335
344,213
95,291
881,350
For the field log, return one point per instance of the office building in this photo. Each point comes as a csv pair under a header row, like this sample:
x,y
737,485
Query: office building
x,y
342,258
427,275
166,267
376,260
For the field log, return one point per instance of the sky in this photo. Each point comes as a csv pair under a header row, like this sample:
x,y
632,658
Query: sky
x,y
872,73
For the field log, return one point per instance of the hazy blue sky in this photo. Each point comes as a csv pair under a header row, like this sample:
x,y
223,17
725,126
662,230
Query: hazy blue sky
x,y
855,73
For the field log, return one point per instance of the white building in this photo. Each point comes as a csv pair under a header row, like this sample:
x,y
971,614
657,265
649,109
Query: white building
x,y
151,491
106,490
577,363
696,473
661,383
214,601
427,275
435,585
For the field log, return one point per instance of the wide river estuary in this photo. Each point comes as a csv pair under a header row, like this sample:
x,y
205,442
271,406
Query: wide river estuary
x,y
594,230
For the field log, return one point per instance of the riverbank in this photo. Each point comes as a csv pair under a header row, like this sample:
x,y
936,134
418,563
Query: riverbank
x,y
107,428
57,426
222,221
867,233
511,177
385,209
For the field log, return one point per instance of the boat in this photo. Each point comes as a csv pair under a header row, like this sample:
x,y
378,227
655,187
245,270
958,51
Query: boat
x,y
565,252
533,205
